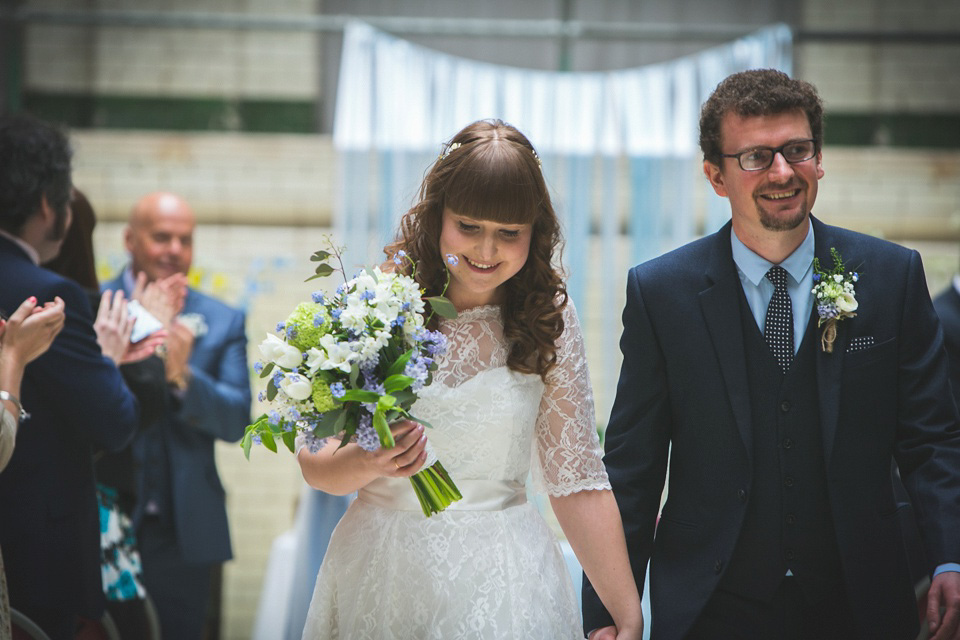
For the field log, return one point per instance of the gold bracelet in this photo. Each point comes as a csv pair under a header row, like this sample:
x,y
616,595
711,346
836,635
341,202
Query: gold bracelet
x,y
9,397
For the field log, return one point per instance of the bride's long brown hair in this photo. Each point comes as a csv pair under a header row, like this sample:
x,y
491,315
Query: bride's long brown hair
x,y
490,171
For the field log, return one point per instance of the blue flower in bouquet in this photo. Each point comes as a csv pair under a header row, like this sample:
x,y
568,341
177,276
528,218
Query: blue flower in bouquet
x,y
367,436
312,442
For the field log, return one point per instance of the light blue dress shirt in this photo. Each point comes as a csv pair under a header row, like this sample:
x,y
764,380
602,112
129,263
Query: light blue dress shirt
x,y
752,270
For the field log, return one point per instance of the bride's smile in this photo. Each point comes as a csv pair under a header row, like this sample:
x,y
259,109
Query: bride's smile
x,y
488,254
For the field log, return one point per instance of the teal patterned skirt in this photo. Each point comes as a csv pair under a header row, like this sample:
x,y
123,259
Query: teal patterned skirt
x,y
119,559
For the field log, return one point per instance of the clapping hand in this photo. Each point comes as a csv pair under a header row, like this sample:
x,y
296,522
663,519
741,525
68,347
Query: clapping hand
x,y
162,298
31,329
114,325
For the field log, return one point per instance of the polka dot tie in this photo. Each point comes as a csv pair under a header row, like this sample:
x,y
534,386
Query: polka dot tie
x,y
778,326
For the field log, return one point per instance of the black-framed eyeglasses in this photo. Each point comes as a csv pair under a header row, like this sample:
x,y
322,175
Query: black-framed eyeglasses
x,y
761,158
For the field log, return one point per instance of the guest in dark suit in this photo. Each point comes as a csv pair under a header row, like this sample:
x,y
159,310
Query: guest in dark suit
x,y
76,397
181,515
947,305
780,519
115,472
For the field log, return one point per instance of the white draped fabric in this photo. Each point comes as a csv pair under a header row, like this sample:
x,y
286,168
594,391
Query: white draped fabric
x,y
619,148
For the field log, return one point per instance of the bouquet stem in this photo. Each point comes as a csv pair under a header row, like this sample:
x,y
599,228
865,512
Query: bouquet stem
x,y
435,489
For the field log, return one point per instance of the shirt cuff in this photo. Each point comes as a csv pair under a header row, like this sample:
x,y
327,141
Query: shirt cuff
x,y
949,566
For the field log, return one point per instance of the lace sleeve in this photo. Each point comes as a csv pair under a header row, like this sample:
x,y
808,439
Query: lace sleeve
x,y
567,456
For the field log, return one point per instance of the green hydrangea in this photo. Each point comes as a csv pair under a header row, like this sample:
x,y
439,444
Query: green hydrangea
x,y
302,329
322,397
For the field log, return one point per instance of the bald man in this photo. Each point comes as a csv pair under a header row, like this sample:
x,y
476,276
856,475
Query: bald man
x,y
181,515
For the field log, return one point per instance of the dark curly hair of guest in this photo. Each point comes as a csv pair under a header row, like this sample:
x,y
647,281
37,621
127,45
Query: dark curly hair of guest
x,y
758,92
490,171
34,165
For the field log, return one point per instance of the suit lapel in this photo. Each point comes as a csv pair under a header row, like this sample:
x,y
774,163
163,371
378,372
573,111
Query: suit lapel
x,y
721,311
829,365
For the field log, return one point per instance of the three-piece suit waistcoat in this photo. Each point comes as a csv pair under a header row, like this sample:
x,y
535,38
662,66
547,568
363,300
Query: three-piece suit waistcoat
x,y
788,524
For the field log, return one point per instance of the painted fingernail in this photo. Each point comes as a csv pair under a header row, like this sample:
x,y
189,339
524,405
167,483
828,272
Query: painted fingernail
x,y
33,300
422,439
420,428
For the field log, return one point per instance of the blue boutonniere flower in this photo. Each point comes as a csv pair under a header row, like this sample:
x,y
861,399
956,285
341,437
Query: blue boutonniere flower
x,y
836,297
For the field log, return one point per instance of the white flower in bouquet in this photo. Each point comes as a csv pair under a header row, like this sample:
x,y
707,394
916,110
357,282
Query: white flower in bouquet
x,y
276,350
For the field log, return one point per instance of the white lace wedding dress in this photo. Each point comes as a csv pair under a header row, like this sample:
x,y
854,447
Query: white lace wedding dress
x,y
488,566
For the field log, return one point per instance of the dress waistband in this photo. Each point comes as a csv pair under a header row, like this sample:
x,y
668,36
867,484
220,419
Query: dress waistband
x,y
478,495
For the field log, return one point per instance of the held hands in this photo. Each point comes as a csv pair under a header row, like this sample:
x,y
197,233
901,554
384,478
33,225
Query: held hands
x,y
407,456
31,329
611,633
943,607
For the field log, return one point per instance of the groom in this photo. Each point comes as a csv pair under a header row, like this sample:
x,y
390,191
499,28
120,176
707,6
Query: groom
x,y
780,519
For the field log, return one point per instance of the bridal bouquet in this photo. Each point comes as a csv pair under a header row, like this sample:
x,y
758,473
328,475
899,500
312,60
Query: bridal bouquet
x,y
347,364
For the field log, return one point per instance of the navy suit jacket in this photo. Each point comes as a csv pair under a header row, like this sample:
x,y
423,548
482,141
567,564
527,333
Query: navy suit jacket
x,y
216,406
49,527
683,394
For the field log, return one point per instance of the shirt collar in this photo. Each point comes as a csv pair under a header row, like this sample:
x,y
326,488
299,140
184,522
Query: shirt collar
x,y
30,251
755,268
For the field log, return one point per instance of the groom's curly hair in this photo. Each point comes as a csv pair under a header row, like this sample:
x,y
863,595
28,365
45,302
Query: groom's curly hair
x,y
757,92
490,171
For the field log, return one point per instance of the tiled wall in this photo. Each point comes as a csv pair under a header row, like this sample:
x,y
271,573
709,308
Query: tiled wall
x,y
248,179
175,62
888,77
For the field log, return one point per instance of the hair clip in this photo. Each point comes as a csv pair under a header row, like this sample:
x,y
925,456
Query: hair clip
x,y
536,157
453,146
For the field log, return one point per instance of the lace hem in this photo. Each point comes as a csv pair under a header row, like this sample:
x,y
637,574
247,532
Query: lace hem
x,y
557,492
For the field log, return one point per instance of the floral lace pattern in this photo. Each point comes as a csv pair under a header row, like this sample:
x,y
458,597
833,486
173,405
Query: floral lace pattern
x,y
392,574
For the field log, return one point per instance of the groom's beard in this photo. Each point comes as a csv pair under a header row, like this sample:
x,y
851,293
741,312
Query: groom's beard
x,y
775,223
780,220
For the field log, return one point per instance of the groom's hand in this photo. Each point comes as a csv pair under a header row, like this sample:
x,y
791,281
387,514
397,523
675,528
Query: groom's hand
x,y
943,606
604,633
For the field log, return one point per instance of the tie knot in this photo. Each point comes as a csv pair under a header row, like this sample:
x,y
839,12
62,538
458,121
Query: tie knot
x,y
778,276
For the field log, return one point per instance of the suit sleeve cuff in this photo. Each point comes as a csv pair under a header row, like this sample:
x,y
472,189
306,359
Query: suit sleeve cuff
x,y
949,566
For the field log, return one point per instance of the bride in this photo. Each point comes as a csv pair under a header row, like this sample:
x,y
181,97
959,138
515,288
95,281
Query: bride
x,y
511,396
